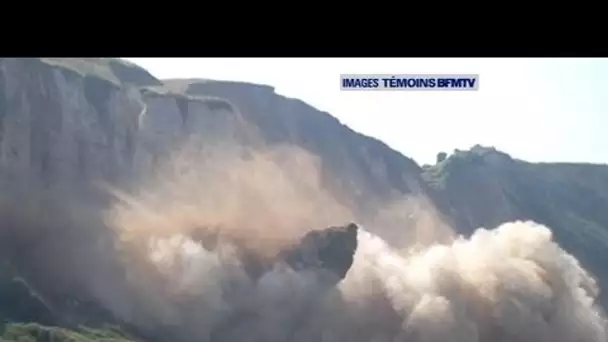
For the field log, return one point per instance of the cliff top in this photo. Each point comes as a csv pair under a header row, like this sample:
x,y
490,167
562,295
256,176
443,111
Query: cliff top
x,y
198,85
116,71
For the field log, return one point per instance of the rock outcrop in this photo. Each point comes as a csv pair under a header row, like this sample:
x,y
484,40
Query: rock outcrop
x,y
331,250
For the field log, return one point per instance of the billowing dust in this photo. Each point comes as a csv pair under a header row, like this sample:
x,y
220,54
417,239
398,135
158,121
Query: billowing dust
x,y
511,283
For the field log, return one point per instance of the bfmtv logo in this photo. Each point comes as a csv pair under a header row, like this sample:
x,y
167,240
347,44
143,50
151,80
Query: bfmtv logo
x,y
410,82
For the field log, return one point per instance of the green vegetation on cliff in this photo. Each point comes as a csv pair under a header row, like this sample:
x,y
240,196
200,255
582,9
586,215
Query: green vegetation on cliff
x,y
484,187
32,332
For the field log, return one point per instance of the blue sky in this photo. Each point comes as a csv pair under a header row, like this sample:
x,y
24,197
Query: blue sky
x,y
533,109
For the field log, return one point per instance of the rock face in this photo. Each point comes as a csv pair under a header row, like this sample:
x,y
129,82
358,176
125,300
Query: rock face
x,y
65,122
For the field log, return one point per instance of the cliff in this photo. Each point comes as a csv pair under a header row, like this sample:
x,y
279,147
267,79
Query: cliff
x,y
66,120
67,124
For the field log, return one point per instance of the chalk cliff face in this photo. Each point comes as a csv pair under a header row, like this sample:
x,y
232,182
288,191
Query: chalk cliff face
x,y
67,121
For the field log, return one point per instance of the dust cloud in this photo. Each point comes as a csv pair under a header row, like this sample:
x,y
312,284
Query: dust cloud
x,y
511,283
196,239
262,200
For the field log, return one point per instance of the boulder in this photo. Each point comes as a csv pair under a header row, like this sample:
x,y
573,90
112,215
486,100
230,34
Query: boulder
x,y
331,249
